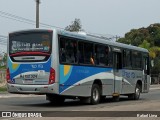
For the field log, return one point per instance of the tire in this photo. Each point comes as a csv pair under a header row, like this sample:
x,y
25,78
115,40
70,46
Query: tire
x,y
136,94
95,94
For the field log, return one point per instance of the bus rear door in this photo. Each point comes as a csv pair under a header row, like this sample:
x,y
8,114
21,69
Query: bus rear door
x,y
117,66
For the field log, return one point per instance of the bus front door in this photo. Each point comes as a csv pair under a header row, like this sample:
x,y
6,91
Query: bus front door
x,y
117,64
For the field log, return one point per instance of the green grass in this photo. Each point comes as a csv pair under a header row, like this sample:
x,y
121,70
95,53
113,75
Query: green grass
x,y
3,89
2,67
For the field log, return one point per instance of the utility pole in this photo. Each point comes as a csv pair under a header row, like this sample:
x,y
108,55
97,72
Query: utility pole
x,y
37,13
117,37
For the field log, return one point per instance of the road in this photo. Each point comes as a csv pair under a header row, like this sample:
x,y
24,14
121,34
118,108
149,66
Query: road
x,y
147,102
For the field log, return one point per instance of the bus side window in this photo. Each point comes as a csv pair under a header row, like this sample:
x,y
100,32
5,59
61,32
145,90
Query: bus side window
x,y
68,50
62,55
127,61
102,55
71,51
136,60
85,53
80,54
62,50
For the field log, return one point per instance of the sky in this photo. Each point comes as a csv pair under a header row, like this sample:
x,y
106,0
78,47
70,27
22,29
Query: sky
x,y
108,17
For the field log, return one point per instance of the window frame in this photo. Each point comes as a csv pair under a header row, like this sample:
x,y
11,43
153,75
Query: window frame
x,y
86,41
124,60
59,39
141,58
109,52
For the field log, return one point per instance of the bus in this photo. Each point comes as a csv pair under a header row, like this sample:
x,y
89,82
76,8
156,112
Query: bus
x,y
67,65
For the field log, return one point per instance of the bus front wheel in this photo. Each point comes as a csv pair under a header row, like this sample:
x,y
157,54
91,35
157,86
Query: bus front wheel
x,y
136,94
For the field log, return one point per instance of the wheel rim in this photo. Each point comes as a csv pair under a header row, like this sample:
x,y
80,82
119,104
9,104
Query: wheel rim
x,y
95,95
137,92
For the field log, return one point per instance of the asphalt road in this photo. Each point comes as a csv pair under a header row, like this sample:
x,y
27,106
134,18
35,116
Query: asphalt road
x,y
147,102
32,102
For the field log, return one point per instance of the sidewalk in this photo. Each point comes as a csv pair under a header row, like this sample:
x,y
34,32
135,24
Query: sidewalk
x,y
155,87
9,95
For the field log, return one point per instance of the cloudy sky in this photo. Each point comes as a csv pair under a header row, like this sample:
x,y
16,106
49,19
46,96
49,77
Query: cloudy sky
x,y
115,17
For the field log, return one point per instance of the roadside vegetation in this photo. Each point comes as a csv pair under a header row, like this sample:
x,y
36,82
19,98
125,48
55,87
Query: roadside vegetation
x,y
3,88
148,38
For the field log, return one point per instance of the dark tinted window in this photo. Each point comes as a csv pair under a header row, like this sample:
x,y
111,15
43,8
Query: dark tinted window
x,y
102,55
76,51
136,60
85,53
68,50
127,62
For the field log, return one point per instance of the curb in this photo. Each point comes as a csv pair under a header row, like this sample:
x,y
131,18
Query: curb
x,y
8,95
154,88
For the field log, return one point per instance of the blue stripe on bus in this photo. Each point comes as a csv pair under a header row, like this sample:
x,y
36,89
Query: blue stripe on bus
x,y
76,74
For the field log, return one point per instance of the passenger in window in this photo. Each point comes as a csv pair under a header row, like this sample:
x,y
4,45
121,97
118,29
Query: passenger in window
x,y
62,55
91,59
70,57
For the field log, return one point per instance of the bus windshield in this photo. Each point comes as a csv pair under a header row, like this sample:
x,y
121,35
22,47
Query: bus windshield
x,y
30,44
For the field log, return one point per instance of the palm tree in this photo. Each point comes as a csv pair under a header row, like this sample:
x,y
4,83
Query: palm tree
x,y
153,51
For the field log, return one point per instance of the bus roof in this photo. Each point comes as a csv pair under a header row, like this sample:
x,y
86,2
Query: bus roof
x,y
100,40
86,37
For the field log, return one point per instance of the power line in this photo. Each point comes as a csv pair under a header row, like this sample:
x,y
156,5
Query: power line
x,y
25,20
28,21
15,16
3,36
16,19
3,40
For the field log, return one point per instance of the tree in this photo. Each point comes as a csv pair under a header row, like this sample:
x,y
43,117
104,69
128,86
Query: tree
x,y
145,45
75,26
148,38
5,58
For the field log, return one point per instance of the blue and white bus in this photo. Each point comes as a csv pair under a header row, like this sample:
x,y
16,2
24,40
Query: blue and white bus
x,y
64,65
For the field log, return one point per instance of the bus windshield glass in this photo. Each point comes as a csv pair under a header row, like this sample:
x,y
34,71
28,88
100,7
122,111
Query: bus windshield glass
x,y
31,42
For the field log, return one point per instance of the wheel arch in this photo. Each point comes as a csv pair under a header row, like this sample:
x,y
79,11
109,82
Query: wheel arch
x,y
99,83
139,82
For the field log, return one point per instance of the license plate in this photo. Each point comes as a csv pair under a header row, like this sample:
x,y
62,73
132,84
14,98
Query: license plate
x,y
30,76
28,81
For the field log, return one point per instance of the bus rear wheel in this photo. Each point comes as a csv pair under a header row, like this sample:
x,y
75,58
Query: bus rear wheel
x,y
95,94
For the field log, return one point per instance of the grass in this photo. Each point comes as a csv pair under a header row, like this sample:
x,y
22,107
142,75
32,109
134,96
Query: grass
x,y
3,89
2,67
